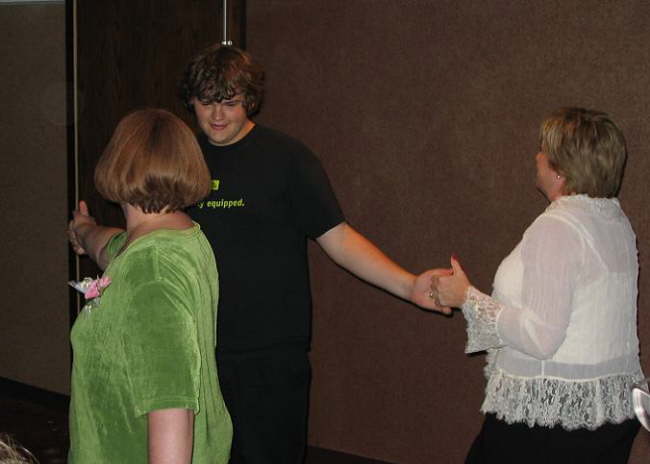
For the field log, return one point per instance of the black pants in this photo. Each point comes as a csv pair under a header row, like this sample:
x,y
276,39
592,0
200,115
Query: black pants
x,y
499,442
267,395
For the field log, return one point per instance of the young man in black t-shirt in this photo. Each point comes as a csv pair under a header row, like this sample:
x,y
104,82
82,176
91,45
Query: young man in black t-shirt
x,y
269,195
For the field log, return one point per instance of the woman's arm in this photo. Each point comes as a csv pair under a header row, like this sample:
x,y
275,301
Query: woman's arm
x,y
86,237
170,436
551,254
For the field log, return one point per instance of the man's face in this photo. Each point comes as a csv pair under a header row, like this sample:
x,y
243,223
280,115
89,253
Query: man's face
x,y
225,122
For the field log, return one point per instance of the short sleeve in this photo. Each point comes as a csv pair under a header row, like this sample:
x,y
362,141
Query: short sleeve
x,y
314,205
114,245
161,344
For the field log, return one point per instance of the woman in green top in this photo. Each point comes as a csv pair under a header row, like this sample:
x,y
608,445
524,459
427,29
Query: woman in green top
x,y
144,379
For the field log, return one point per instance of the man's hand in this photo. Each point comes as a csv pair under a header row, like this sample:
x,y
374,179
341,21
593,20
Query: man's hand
x,y
423,294
80,219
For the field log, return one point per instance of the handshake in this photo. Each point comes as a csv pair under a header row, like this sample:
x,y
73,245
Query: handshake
x,y
447,288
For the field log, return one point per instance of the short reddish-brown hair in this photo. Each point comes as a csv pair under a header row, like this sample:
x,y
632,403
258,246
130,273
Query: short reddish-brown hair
x,y
154,162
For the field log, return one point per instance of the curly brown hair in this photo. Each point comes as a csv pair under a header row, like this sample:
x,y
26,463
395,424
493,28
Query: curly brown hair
x,y
219,73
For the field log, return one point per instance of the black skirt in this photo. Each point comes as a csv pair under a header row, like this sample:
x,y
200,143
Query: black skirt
x,y
501,443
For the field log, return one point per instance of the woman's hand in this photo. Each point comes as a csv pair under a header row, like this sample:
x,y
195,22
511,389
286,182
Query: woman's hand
x,y
451,290
87,238
80,219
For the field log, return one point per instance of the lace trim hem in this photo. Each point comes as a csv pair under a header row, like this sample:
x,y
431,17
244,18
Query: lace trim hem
x,y
481,312
548,402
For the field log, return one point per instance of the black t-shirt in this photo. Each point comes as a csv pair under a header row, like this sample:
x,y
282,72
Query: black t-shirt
x,y
269,194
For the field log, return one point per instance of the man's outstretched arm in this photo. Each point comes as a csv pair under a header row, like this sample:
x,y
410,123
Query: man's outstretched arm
x,y
352,251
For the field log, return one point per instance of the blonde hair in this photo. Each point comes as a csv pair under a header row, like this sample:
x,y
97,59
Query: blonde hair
x,y
154,162
13,453
587,148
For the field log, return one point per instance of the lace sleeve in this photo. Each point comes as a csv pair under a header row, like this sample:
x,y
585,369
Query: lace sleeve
x,y
481,312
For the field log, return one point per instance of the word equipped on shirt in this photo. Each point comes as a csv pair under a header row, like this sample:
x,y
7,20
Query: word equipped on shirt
x,y
221,203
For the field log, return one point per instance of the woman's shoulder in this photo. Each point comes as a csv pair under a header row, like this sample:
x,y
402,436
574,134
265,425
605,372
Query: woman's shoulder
x,y
115,244
580,215
164,254
554,223
583,206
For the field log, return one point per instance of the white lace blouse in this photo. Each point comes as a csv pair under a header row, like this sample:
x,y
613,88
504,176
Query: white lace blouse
x,y
560,327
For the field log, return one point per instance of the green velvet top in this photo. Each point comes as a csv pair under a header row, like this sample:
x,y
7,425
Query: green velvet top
x,y
149,344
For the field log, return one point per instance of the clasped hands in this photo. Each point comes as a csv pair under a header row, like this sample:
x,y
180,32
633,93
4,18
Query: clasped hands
x,y
80,218
448,287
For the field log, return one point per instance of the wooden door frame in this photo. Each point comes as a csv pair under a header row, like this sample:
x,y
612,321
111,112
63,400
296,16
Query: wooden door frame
x,y
111,74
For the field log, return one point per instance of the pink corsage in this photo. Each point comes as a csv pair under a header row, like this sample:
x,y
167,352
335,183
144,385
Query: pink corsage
x,y
92,289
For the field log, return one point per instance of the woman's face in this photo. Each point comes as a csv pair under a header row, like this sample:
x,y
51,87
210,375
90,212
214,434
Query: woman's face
x,y
549,182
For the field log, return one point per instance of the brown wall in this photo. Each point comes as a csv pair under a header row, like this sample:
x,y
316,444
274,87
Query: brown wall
x,y
34,318
425,114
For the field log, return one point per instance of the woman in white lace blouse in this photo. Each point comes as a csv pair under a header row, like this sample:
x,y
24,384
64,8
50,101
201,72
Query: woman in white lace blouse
x,y
560,326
